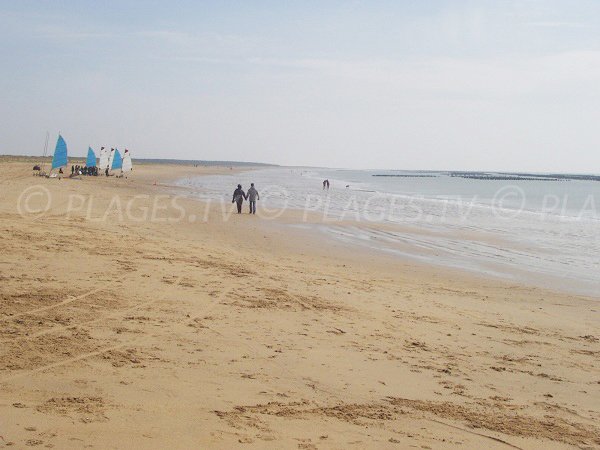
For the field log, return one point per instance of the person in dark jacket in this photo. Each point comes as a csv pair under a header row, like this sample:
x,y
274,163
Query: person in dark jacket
x,y
238,197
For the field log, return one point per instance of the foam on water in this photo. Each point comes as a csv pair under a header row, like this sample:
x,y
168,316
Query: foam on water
x,y
547,231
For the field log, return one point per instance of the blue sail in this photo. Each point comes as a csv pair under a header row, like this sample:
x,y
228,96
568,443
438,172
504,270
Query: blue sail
x,y
60,153
117,161
91,158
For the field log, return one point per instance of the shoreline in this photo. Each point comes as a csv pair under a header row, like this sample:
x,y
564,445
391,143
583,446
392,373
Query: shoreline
x,y
244,333
374,236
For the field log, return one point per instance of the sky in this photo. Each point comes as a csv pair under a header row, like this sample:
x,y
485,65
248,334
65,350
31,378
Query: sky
x,y
446,85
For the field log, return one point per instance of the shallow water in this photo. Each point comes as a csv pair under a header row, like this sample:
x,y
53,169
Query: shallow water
x,y
543,232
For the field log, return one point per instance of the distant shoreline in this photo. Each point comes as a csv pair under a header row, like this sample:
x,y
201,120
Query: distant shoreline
x,y
497,176
200,162
416,173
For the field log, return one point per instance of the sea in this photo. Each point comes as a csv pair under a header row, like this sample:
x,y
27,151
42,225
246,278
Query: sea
x,y
538,229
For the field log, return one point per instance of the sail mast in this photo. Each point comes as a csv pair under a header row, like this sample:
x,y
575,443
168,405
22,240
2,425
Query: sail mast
x,y
45,152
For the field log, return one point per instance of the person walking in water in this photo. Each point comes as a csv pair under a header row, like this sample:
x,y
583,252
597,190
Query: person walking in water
x,y
238,198
252,196
326,184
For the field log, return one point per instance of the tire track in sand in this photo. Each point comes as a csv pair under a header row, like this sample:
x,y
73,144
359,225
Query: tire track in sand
x,y
85,356
70,299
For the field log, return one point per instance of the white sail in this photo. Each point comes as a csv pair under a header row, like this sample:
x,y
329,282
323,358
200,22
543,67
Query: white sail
x,y
103,159
110,159
127,166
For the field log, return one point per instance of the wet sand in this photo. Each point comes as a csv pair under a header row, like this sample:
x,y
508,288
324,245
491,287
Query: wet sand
x,y
135,322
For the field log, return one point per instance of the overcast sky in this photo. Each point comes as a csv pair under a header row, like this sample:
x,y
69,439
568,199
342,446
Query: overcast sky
x,y
490,85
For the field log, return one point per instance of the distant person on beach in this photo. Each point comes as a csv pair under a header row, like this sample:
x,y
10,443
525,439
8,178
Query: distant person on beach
x,y
238,198
326,184
252,196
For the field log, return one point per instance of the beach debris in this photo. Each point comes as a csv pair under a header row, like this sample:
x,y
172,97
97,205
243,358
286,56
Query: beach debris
x,y
336,331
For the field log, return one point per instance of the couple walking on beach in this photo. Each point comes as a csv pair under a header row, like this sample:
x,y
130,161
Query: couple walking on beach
x,y
239,196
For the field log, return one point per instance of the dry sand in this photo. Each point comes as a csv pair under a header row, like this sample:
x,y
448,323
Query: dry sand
x,y
120,332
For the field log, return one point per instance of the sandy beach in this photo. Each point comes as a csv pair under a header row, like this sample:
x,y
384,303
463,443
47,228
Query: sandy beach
x,y
132,317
